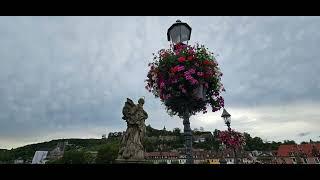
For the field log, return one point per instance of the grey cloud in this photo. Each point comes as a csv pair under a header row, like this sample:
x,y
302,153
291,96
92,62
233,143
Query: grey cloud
x,y
266,60
303,134
60,72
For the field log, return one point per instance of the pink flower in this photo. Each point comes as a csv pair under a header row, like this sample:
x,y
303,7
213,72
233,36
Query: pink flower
x,y
194,81
192,71
162,85
184,90
190,51
200,74
188,77
180,68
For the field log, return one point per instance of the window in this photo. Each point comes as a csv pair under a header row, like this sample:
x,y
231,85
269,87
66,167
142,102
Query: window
x,y
294,160
305,160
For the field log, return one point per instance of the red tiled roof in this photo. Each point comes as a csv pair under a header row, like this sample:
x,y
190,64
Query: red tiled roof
x,y
284,150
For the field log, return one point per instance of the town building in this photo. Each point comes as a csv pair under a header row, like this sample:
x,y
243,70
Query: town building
x,y
163,157
299,154
18,161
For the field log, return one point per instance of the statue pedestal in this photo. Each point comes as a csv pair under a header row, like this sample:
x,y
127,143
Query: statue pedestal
x,y
130,161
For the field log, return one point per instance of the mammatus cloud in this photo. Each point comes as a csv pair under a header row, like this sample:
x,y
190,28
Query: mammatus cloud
x,y
70,76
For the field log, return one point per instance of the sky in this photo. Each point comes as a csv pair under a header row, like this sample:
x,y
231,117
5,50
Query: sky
x,y
69,77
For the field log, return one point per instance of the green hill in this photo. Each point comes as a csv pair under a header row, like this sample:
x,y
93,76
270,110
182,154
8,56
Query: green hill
x,y
27,152
105,150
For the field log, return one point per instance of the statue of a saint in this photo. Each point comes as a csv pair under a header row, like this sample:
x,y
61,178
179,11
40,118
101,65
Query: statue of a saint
x,y
131,147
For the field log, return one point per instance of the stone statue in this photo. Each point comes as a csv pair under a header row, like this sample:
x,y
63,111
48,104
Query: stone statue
x,y
131,148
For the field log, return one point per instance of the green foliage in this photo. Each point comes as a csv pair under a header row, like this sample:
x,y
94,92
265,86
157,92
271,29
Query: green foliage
x,y
73,157
81,151
149,146
5,156
107,153
255,143
153,132
289,142
176,132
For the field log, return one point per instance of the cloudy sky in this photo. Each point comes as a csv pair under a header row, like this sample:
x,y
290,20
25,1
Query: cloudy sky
x,y
68,77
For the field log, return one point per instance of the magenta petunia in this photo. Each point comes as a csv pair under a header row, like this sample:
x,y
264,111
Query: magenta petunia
x,y
179,72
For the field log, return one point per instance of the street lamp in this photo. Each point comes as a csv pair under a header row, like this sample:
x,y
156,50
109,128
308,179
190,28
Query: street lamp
x,y
178,33
227,120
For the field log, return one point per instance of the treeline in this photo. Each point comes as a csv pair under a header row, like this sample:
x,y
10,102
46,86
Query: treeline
x,y
27,152
252,143
105,150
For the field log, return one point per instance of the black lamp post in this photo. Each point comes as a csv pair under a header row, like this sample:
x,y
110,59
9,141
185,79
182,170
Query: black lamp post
x,y
227,120
178,33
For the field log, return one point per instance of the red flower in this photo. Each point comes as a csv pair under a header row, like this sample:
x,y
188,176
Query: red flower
x,y
206,62
181,59
190,58
174,69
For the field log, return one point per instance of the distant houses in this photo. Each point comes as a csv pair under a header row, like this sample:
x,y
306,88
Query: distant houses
x,y
164,158
299,154
286,154
19,161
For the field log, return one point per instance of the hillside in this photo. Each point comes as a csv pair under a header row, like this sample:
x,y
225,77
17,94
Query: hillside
x,y
156,140
27,152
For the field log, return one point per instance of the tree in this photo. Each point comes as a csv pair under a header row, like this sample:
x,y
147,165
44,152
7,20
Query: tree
x,y
289,142
176,131
107,154
255,143
5,156
73,157
216,133
148,145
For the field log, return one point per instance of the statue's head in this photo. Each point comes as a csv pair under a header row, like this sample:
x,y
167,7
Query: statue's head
x,y
141,101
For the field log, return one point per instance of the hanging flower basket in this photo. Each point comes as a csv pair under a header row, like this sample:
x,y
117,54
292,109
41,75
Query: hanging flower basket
x,y
186,77
232,139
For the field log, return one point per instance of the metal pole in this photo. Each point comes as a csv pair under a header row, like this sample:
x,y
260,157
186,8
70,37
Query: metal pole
x,y
235,156
188,137
234,150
